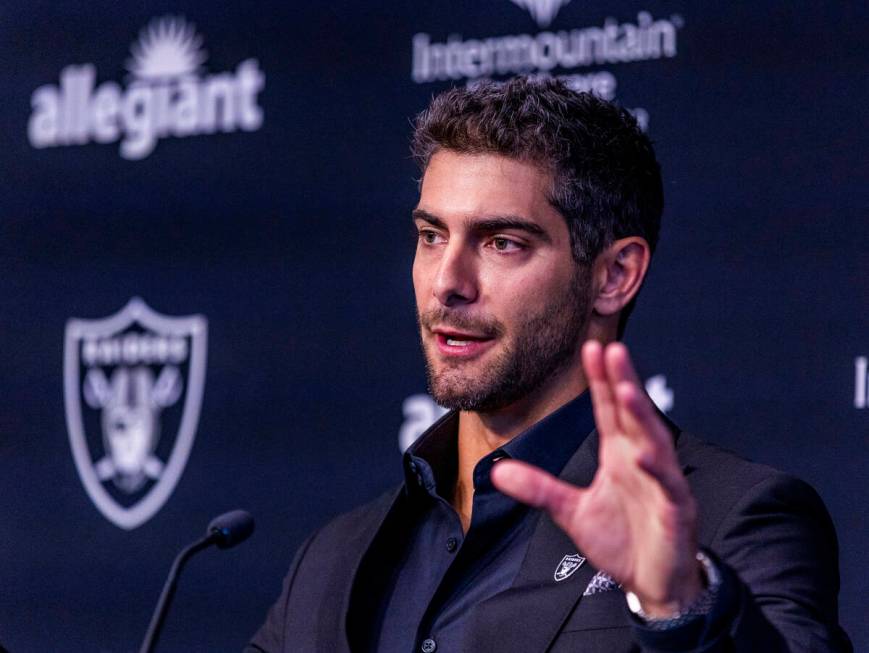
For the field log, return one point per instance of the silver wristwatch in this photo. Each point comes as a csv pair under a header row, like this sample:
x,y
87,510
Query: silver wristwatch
x,y
700,607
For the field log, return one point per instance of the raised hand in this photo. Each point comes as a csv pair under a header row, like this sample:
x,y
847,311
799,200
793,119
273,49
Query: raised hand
x,y
637,519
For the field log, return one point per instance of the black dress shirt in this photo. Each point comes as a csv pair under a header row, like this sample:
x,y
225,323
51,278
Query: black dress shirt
x,y
422,573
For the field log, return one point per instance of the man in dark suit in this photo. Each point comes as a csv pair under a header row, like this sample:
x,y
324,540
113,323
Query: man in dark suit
x,y
554,509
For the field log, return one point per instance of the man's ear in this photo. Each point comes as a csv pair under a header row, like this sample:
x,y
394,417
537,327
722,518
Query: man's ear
x,y
618,272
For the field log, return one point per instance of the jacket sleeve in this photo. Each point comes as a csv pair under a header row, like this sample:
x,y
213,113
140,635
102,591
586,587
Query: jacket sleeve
x,y
270,638
778,555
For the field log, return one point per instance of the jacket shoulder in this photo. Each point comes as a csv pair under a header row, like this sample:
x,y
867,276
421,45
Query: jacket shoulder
x,y
709,462
726,485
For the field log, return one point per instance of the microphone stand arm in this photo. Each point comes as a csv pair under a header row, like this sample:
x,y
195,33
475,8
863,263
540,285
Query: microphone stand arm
x,y
168,593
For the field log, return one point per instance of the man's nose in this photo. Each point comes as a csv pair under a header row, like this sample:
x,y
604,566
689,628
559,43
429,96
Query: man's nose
x,y
456,279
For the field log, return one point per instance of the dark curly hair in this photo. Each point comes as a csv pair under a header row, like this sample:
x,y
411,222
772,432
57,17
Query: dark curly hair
x,y
606,181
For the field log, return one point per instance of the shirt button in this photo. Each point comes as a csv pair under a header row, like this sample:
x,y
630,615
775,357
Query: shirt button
x,y
452,545
428,646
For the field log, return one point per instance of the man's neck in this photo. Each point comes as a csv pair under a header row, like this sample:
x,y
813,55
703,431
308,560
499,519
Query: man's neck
x,y
482,433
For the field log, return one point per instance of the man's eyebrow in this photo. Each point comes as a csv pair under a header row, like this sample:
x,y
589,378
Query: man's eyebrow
x,y
490,224
420,214
514,222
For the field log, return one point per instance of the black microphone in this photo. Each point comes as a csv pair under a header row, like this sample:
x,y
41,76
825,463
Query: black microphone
x,y
230,528
225,531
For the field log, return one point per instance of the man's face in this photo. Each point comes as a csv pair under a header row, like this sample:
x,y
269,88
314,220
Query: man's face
x,y
501,304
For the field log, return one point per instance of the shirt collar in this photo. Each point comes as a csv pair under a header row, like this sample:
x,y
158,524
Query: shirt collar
x,y
436,449
551,442
430,463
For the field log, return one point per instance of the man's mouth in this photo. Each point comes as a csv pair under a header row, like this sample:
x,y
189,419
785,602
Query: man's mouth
x,y
456,343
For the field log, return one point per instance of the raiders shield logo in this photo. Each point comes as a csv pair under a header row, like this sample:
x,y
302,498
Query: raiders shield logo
x,y
568,565
133,387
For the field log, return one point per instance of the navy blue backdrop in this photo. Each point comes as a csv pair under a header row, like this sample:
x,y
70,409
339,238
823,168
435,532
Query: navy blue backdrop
x,y
248,165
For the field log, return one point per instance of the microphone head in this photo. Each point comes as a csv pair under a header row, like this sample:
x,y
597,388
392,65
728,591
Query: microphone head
x,y
231,528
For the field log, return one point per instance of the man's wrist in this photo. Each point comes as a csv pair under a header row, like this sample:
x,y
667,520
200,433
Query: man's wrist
x,y
701,605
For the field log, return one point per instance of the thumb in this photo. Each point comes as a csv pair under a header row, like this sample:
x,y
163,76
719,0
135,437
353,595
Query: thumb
x,y
537,488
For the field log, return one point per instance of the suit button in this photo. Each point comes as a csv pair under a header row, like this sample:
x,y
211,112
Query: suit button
x,y
452,544
428,646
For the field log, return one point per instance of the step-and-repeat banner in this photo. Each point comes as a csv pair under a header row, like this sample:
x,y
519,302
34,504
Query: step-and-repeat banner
x,y
205,250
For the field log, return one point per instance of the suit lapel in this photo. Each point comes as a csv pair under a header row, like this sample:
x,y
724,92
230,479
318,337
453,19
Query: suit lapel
x,y
349,559
535,584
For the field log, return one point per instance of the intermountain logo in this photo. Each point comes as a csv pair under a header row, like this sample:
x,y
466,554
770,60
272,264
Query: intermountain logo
x,y
133,387
543,11
646,39
166,95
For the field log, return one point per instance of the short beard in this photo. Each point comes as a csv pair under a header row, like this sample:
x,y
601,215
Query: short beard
x,y
542,346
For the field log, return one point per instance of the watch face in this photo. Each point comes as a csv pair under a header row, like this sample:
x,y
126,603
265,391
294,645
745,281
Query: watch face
x,y
634,604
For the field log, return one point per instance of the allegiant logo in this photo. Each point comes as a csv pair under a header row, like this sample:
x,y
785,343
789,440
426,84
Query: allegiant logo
x,y
166,97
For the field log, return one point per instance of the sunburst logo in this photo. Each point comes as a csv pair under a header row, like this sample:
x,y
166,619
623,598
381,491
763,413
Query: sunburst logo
x,y
167,47
543,11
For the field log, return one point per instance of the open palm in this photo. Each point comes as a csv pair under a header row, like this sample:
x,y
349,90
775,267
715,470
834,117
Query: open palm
x,y
637,519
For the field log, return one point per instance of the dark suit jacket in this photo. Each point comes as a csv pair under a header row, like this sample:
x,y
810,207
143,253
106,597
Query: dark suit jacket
x,y
770,532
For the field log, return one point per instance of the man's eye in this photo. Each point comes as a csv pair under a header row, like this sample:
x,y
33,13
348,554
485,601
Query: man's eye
x,y
429,237
505,244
